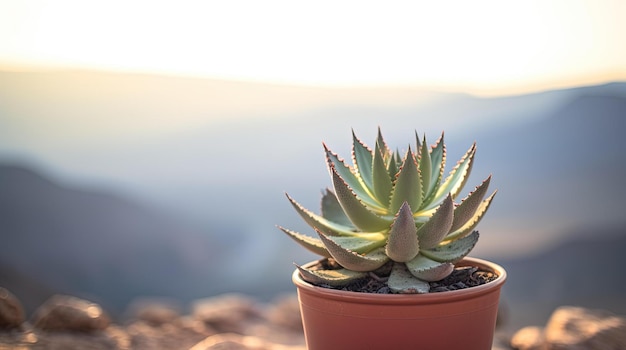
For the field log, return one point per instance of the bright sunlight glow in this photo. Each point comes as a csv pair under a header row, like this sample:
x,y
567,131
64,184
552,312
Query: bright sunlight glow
x,y
487,47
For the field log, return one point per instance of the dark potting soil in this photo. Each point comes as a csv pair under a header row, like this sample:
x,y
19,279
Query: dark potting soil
x,y
460,278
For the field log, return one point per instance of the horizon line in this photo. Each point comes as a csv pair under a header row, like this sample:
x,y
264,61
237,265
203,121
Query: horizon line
x,y
582,80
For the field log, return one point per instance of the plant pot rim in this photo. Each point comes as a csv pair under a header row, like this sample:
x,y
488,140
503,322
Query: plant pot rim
x,y
427,298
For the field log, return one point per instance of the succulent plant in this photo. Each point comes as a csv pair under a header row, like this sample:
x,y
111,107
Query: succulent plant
x,y
387,207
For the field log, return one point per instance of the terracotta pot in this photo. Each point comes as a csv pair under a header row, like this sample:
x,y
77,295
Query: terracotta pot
x,y
461,319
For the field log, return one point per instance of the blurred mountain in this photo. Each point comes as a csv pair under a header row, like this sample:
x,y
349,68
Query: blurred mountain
x,y
102,246
562,171
116,186
110,249
584,270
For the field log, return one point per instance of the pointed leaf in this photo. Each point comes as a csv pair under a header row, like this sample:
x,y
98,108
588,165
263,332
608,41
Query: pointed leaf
x,y
383,145
403,282
334,278
348,175
320,223
363,243
314,245
362,157
394,165
402,244
407,187
465,211
417,142
331,209
471,224
381,179
438,161
429,270
453,251
456,179
438,226
358,213
352,260
425,167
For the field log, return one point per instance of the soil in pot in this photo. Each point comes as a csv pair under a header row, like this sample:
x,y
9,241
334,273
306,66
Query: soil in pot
x,y
462,277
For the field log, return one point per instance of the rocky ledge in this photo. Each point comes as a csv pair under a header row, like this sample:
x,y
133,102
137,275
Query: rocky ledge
x,y
230,321
234,321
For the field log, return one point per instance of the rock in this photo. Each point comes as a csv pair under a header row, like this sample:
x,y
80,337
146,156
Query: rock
x,y
528,338
154,311
228,313
11,311
74,340
229,321
575,328
22,338
180,334
231,341
285,312
62,312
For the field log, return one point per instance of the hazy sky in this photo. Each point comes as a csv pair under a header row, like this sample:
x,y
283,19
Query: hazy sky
x,y
477,46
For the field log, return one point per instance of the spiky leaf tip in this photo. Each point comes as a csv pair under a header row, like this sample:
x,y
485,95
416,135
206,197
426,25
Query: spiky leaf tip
x,y
312,244
350,176
465,211
381,179
362,159
320,223
471,224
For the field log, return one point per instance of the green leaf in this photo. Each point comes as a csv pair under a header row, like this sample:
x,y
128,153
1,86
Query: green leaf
x,y
438,226
438,161
331,209
417,141
320,223
473,222
381,179
402,244
407,187
425,166
334,278
456,179
349,176
394,165
362,157
429,270
352,260
453,251
386,152
314,245
403,282
465,211
358,213
361,244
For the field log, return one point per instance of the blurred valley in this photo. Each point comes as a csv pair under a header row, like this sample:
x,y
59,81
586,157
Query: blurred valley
x,y
118,186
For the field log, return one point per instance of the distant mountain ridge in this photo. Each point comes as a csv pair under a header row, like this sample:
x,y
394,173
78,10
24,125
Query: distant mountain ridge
x,y
46,249
96,244
119,212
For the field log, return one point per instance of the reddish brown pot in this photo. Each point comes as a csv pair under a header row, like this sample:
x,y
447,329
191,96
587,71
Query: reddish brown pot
x,y
460,319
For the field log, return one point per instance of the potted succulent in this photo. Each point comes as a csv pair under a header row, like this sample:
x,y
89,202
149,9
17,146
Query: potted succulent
x,y
394,272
